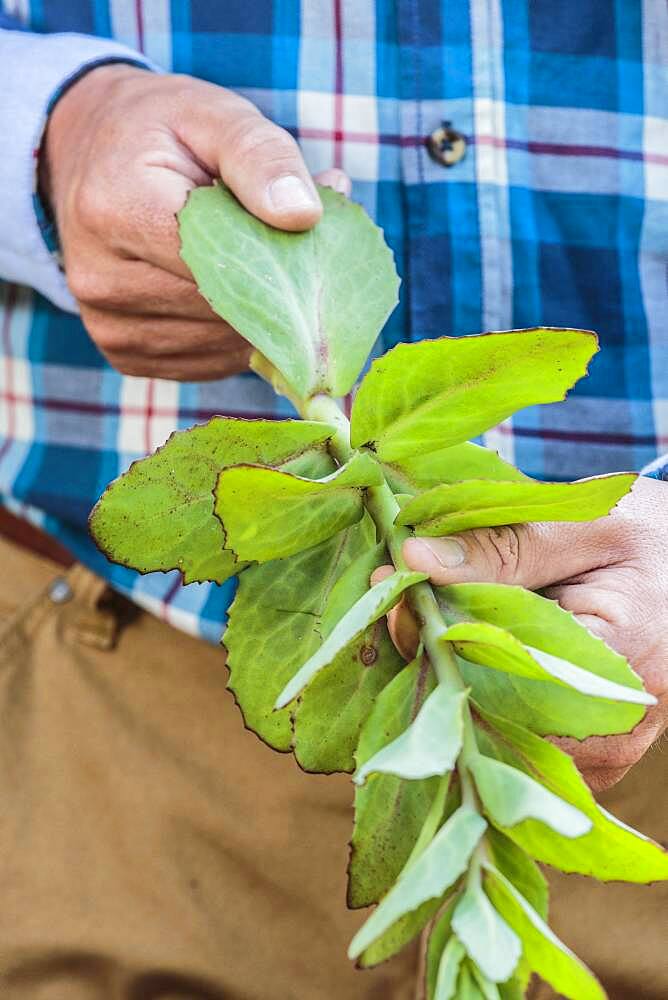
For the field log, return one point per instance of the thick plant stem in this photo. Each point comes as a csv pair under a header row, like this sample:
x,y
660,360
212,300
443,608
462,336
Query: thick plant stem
x,y
383,507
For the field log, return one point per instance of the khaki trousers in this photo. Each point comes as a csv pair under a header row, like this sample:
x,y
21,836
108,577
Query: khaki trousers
x,y
151,847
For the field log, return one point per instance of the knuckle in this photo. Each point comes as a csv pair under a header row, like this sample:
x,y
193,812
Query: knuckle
x,y
84,284
94,210
258,139
502,551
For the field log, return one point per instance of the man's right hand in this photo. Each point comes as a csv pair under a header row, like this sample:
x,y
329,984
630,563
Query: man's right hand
x,y
122,150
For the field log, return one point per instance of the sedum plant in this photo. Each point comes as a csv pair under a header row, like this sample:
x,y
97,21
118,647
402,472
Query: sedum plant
x,y
457,794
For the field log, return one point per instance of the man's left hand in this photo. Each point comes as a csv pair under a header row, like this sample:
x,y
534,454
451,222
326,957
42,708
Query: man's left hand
x,y
611,573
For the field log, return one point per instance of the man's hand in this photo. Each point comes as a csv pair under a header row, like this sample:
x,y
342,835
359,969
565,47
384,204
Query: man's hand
x,y
611,573
122,150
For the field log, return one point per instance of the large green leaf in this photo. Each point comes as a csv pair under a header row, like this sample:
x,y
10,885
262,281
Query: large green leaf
x,y
159,514
483,503
511,796
373,605
543,625
270,514
329,715
313,303
437,868
275,622
426,396
423,470
429,746
610,851
489,941
545,953
389,811
495,647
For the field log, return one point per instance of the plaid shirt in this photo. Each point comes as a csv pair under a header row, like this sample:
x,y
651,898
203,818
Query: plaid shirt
x,y
557,215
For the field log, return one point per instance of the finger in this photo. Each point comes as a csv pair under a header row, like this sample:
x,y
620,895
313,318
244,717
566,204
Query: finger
x,y
259,161
613,753
181,367
154,337
529,555
134,287
382,573
401,624
336,179
603,779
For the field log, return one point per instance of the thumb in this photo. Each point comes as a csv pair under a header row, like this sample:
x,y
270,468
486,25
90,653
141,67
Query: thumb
x,y
259,161
528,555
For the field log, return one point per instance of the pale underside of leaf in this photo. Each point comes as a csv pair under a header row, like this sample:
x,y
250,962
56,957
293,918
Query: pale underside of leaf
x,y
610,851
448,970
431,744
537,622
390,812
481,503
511,796
312,303
487,938
427,878
375,603
493,647
430,395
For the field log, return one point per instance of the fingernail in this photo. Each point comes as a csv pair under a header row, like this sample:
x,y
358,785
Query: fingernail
x,y
447,552
290,194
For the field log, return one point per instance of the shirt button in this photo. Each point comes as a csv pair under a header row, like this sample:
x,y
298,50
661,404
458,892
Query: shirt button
x,y
446,145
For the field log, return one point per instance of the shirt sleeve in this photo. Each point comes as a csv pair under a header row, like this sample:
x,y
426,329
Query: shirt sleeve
x,y
36,69
657,469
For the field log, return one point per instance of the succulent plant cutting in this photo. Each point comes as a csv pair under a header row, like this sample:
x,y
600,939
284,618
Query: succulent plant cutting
x,y
457,793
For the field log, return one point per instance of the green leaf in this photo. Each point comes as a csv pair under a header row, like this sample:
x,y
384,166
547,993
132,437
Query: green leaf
x,y
487,938
159,514
480,503
543,625
494,647
274,625
445,987
312,303
389,812
429,746
519,869
330,714
427,878
375,603
401,933
511,796
430,395
270,514
545,953
423,470
610,851
328,717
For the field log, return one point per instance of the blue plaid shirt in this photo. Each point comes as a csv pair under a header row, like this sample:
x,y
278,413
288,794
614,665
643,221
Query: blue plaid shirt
x,y
557,215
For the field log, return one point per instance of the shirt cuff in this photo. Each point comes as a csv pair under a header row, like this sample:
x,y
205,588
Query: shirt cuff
x,y
37,69
657,469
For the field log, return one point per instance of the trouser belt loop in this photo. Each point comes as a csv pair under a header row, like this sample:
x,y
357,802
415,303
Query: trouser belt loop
x,y
93,613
